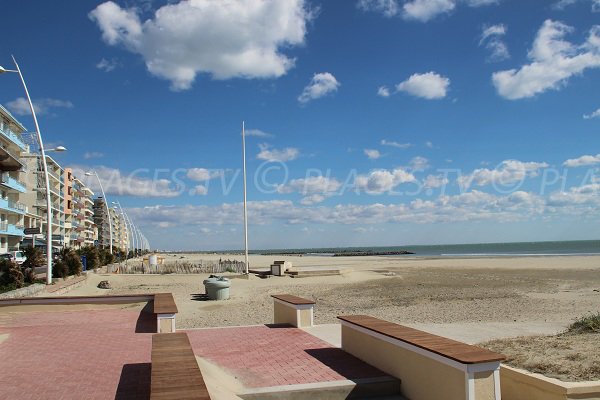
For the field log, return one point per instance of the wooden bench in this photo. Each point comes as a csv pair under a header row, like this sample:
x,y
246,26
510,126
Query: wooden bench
x,y
165,309
429,366
175,373
293,310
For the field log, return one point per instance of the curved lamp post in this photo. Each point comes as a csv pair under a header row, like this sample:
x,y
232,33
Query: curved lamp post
x,y
94,173
46,178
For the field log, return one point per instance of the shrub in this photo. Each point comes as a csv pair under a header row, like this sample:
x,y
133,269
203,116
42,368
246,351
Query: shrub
x,y
586,324
34,259
92,257
11,274
105,257
67,263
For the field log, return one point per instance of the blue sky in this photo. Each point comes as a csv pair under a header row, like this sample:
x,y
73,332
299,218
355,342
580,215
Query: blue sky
x,y
370,122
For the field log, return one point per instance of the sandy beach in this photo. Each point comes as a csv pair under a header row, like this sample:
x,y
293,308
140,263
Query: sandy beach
x,y
543,294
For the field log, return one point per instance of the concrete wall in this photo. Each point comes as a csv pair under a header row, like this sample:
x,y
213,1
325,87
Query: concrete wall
x,y
165,325
422,378
284,314
517,384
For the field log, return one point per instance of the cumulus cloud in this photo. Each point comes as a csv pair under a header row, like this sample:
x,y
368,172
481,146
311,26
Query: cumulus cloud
x,y
315,189
582,161
429,85
203,174
224,39
419,163
553,62
591,115
372,154
419,10
139,183
383,91
320,85
269,154
562,4
88,155
382,180
491,38
107,65
397,145
20,106
508,172
435,181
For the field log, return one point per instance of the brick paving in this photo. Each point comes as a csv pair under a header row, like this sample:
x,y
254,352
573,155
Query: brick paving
x,y
263,356
92,354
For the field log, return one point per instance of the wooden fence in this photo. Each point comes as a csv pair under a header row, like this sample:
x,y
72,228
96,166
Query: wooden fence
x,y
203,267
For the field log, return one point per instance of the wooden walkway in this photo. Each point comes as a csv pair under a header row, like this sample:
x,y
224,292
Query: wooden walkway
x,y
452,349
175,371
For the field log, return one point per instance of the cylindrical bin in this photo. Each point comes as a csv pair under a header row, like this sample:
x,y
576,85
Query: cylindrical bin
x,y
153,260
217,288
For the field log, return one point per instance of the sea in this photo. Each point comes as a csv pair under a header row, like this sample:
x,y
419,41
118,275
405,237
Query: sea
x,y
516,249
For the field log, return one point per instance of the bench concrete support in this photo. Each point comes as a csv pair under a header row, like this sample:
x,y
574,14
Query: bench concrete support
x,y
293,310
425,375
165,323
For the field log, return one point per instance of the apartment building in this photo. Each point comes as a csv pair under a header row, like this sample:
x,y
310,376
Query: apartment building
x,y
120,239
79,212
101,221
35,196
12,168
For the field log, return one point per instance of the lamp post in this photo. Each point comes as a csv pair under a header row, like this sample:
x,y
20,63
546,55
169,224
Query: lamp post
x,y
46,178
116,203
94,173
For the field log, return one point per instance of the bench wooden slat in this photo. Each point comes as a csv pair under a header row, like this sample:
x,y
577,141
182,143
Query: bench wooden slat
x,y
452,349
175,372
164,304
295,300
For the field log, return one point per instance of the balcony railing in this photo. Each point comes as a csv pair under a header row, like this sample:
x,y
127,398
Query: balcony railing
x,y
12,136
14,206
10,229
12,183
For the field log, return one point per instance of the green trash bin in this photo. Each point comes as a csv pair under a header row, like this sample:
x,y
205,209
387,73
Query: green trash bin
x,y
217,288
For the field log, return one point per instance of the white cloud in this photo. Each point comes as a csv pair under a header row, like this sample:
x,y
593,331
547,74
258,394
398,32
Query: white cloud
x,y
429,144
398,145
389,8
225,39
203,174
268,154
88,155
107,65
424,10
138,183
311,185
257,133
553,61
491,38
420,10
508,172
320,85
594,114
435,181
200,190
562,4
20,106
419,163
582,161
372,154
382,180
383,91
429,85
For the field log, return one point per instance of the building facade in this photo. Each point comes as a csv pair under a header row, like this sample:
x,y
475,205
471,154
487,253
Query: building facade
x,y
120,238
12,188
79,212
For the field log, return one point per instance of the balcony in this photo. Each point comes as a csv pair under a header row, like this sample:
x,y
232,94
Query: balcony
x,y
13,206
10,229
12,183
12,136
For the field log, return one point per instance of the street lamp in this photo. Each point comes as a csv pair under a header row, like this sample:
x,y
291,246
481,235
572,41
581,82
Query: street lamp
x,y
46,178
127,226
94,173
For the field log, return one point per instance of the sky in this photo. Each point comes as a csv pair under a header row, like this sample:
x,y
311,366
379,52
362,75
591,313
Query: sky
x,y
368,122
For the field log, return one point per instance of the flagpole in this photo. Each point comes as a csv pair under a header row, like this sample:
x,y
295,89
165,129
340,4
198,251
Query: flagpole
x,y
245,208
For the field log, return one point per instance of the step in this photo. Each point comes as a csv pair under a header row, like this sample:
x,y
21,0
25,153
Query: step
x,y
385,387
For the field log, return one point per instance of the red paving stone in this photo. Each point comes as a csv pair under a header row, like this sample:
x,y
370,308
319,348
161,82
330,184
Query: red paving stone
x,y
263,356
92,354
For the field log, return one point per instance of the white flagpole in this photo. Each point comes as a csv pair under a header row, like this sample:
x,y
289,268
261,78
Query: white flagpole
x,y
245,208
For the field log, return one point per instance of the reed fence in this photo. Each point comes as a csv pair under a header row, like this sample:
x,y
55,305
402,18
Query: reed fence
x,y
202,267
